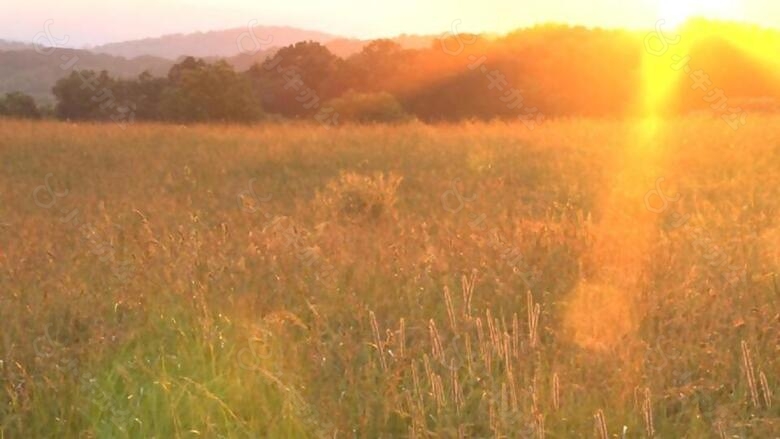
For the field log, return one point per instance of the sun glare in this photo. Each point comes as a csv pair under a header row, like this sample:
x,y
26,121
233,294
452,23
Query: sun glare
x,y
676,12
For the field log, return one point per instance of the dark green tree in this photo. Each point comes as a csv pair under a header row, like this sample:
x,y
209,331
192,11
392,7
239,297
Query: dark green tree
x,y
296,81
201,92
19,105
84,95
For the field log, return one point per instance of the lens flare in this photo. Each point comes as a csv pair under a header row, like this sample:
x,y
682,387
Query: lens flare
x,y
676,12
602,311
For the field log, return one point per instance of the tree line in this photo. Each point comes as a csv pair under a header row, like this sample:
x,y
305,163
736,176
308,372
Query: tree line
x,y
530,75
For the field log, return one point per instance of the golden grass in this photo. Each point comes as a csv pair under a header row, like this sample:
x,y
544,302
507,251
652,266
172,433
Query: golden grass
x,y
469,280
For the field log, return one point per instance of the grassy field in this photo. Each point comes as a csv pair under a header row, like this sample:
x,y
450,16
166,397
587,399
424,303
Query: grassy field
x,y
585,279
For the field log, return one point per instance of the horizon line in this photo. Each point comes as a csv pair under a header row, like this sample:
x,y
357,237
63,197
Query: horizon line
x,y
335,37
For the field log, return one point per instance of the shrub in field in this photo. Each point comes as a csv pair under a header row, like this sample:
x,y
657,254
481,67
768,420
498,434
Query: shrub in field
x,y
360,198
369,107
18,105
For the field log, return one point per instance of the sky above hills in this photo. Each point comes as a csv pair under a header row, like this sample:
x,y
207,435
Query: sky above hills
x,y
91,22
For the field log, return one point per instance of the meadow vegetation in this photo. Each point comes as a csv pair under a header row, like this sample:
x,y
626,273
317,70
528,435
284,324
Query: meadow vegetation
x,y
409,280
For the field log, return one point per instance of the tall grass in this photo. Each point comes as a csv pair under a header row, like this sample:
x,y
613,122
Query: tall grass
x,y
384,281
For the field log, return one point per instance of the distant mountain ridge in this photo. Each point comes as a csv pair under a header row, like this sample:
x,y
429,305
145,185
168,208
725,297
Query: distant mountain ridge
x,y
24,69
222,43
225,43
34,73
14,45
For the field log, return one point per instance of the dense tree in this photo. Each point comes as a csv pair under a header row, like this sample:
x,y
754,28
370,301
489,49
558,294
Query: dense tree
x,y
84,95
189,64
147,93
202,92
297,79
368,107
376,66
19,105
531,74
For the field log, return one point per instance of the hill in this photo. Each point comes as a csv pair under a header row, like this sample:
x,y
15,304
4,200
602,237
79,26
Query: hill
x,y
223,43
14,45
33,73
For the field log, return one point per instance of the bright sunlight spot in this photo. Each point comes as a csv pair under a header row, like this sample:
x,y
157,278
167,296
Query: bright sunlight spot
x,y
676,12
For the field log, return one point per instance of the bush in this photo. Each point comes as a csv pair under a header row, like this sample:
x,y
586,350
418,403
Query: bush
x,y
359,199
368,107
19,105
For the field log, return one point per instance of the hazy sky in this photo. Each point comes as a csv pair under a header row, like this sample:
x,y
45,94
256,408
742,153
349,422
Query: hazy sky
x,y
96,22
